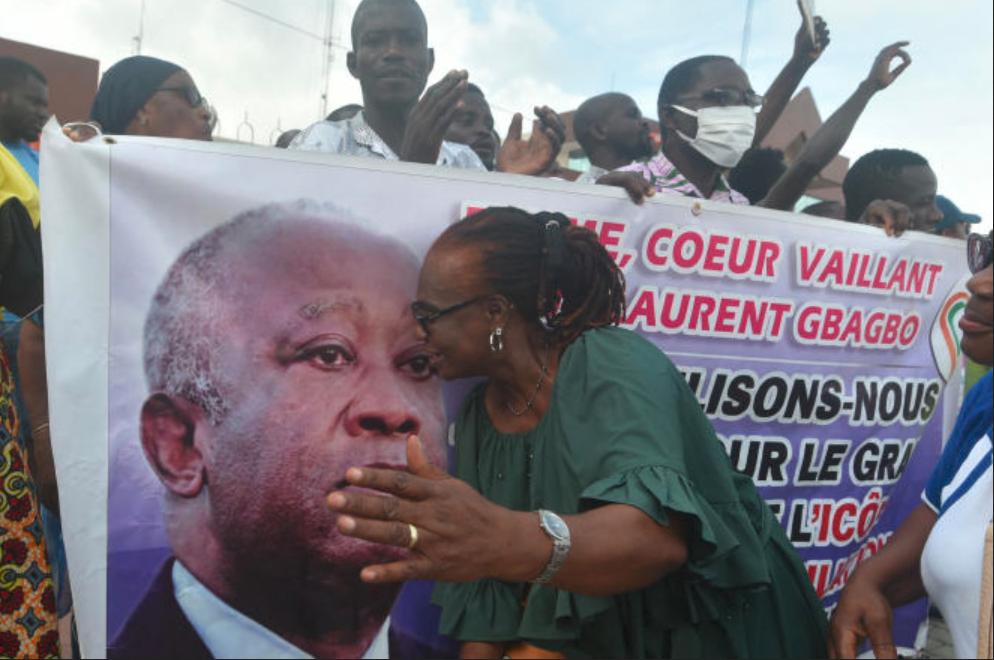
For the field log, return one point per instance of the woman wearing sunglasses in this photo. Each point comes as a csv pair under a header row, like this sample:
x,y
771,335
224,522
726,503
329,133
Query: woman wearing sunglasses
x,y
147,96
939,549
594,513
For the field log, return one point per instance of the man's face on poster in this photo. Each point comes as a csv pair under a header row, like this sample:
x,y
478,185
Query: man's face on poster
x,y
327,372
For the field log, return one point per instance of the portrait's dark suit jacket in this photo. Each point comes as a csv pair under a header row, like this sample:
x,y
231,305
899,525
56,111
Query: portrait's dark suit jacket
x,y
158,628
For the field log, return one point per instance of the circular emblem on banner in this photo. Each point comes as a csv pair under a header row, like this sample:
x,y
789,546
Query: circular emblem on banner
x,y
946,334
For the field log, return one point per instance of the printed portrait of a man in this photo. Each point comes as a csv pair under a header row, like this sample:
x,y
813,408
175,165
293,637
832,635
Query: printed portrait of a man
x,y
279,350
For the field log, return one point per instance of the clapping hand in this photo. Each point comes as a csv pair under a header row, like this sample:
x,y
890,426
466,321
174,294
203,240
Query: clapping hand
x,y
431,117
535,155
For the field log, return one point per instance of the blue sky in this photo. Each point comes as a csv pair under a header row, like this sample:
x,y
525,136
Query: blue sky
x,y
558,52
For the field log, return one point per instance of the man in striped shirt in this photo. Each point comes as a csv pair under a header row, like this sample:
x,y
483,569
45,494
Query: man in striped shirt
x,y
711,99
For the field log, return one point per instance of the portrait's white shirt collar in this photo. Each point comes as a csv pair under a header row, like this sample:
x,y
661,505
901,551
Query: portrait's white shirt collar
x,y
227,633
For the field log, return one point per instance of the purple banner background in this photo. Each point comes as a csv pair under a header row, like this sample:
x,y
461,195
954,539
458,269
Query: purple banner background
x,y
150,224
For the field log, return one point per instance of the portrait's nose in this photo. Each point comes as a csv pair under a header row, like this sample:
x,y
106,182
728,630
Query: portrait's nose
x,y
381,408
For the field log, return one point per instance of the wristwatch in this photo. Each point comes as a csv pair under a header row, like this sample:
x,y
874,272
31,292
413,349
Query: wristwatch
x,y
558,531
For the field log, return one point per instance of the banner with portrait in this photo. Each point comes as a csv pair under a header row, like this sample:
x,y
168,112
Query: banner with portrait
x,y
271,288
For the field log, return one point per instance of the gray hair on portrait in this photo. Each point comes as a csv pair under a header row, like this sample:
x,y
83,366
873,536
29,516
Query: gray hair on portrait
x,y
182,333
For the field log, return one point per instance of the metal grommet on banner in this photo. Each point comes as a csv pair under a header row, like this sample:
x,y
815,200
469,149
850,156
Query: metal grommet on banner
x,y
697,209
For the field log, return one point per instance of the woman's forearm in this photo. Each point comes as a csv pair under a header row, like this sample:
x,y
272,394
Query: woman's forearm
x,y
614,549
34,391
896,570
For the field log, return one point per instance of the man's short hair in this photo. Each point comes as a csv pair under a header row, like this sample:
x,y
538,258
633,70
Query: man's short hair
x,y
589,113
14,72
756,173
470,87
683,76
183,334
872,172
366,5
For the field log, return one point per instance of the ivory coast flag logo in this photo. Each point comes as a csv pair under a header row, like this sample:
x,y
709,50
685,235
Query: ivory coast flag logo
x,y
946,335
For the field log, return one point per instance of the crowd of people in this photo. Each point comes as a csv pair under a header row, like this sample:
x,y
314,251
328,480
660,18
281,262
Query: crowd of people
x,y
658,547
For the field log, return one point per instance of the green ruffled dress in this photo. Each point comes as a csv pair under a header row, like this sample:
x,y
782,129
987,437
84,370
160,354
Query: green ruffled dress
x,y
624,428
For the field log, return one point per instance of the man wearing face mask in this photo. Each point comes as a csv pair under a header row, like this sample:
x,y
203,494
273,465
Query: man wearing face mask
x,y
707,115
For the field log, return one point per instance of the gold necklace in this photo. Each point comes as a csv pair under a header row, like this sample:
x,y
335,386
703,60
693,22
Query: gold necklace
x,y
538,387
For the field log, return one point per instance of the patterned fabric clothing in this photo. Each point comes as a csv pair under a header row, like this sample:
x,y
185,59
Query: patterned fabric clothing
x,y
591,175
663,174
354,137
27,595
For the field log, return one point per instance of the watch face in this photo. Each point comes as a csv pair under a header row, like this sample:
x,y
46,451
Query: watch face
x,y
555,525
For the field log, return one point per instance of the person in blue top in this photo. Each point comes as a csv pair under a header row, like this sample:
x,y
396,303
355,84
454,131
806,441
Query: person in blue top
x,y
938,550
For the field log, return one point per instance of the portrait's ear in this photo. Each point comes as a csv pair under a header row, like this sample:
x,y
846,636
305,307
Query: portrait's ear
x,y
168,427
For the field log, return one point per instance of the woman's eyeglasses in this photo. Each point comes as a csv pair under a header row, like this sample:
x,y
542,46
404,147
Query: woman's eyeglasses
x,y
426,314
979,252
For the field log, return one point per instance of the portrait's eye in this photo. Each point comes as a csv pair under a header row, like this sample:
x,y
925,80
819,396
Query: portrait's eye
x,y
417,367
327,356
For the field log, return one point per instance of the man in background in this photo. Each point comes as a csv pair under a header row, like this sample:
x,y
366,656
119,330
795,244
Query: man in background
x,y
613,133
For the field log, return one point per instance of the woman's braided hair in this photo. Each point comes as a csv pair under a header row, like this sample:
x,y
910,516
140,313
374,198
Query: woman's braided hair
x,y
554,273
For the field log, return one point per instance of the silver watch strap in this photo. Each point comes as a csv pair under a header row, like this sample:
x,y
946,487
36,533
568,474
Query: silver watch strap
x,y
560,547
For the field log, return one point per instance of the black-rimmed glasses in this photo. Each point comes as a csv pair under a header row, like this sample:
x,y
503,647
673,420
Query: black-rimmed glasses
x,y
979,252
426,314
728,97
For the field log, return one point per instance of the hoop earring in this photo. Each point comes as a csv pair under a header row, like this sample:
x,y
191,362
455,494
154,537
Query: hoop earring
x,y
497,340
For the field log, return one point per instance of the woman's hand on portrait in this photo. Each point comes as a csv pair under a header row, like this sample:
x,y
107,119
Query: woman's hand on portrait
x,y
460,535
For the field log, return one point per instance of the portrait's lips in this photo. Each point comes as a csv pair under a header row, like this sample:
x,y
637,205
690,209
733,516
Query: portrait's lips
x,y
974,324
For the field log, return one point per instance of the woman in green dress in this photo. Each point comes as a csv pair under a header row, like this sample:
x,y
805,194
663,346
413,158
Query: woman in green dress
x,y
593,512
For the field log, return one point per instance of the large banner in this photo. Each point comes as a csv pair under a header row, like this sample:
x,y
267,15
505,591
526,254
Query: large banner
x,y
270,288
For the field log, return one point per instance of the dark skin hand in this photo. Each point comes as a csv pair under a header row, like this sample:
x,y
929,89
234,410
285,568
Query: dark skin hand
x,y
893,217
537,154
887,580
463,537
431,117
829,139
636,185
786,83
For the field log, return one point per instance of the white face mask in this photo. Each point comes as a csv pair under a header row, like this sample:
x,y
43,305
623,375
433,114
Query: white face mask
x,y
724,133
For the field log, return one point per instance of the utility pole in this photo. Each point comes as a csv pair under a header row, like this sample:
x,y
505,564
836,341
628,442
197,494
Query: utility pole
x,y
329,56
138,38
746,34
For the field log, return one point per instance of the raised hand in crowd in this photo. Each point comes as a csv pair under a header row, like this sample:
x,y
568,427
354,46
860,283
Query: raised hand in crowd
x,y
806,53
831,136
893,217
883,73
431,117
536,154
